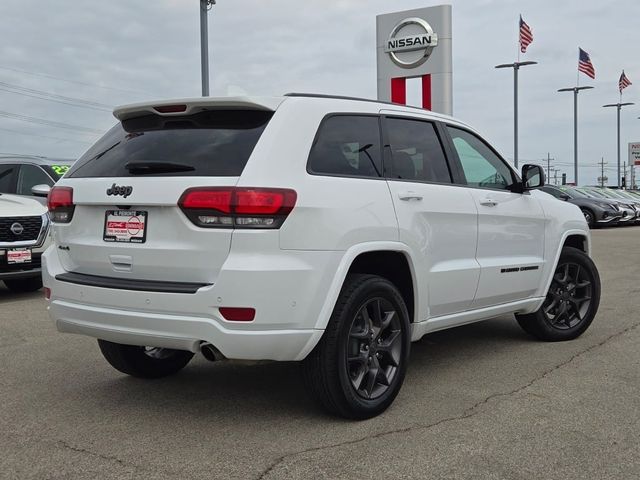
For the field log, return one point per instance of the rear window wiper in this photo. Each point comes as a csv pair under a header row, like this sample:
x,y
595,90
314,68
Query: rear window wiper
x,y
141,168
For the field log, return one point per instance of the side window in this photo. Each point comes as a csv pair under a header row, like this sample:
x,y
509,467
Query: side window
x,y
29,176
482,168
416,152
6,178
347,145
551,191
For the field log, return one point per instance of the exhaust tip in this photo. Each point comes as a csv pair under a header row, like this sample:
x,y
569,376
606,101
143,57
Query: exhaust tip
x,y
210,352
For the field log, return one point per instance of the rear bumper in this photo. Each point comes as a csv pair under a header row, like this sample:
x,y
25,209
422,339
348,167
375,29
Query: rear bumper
x,y
181,332
287,291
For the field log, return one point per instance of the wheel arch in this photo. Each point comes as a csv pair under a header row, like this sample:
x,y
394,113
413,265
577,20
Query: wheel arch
x,y
391,260
575,238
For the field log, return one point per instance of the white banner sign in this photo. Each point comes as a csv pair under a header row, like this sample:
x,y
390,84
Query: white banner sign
x,y
634,153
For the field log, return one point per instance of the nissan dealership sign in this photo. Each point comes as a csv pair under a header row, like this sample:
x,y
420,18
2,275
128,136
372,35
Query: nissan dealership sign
x,y
416,44
410,51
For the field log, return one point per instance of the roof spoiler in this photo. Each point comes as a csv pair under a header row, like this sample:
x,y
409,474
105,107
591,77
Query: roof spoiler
x,y
188,106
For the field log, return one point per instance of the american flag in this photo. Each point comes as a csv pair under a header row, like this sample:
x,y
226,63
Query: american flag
x,y
584,64
624,82
526,35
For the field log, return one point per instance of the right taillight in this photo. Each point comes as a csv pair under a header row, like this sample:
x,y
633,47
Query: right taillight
x,y
237,207
60,204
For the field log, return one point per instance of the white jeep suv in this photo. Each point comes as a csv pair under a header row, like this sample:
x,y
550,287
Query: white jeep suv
x,y
327,230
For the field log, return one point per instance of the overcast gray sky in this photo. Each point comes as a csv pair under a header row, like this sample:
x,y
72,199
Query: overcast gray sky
x,y
120,51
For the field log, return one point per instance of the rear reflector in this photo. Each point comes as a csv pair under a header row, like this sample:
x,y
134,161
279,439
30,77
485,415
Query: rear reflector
x,y
60,204
47,293
237,314
170,108
239,207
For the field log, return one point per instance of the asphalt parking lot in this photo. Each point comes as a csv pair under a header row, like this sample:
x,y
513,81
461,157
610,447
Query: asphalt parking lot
x,y
482,401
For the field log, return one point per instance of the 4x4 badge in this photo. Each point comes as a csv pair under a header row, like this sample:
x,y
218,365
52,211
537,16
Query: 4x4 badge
x,y
125,191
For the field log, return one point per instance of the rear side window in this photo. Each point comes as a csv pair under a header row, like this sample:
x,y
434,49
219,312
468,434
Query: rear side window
x,y
416,152
211,143
347,145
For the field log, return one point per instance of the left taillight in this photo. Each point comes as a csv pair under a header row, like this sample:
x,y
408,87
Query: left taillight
x,y
237,207
60,204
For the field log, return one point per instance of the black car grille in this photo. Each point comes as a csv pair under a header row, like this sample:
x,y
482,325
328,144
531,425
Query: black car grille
x,y
30,229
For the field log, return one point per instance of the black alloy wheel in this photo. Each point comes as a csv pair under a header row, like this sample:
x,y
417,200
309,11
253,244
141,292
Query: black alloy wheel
x,y
572,300
569,296
374,349
589,218
357,368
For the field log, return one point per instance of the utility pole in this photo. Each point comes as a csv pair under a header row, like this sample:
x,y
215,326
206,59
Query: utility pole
x,y
205,6
624,176
549,165
516,66
618,107
602,163
575,91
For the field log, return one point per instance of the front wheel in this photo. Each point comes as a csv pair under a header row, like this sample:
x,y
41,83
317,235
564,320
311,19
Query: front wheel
x,y
358,367
572,300
144,362
589,217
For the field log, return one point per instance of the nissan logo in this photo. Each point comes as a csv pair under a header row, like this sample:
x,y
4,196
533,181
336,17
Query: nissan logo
x,y
16,228
423,42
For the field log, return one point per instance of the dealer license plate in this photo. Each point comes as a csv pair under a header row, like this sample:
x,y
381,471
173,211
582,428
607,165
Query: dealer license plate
x,y
128,226
22,255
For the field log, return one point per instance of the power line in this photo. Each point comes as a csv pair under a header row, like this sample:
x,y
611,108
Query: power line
x,y
44,136
54,95
55,100
42,121
77,82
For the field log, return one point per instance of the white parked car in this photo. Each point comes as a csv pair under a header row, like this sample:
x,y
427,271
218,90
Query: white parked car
x,y
327,230
24,235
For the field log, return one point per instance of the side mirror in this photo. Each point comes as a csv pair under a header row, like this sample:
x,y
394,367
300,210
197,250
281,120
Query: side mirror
x,y
40,190
532,176
564,196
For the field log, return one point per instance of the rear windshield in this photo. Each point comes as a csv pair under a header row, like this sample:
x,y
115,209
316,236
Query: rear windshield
x,y
211,143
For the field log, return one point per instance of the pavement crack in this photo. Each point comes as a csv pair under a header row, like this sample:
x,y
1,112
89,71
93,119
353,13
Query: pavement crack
x,y
473,410
109,458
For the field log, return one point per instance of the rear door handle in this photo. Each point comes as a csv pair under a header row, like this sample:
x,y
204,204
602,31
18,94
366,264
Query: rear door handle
x,y
487,202
407,196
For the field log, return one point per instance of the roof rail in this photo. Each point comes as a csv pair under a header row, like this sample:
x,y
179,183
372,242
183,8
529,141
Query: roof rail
x,y
359,99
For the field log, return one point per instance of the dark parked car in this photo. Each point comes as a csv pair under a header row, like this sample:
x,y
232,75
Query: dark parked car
x,y
595,211
20,173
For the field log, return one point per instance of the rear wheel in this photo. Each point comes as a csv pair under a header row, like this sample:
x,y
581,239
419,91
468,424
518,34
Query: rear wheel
x,y
144,362
358,367
572,300
24,284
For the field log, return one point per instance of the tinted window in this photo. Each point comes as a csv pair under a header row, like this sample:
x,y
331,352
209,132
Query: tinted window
x,y
482,168
347,145
416,152
30,176
6,178
210,143
552,191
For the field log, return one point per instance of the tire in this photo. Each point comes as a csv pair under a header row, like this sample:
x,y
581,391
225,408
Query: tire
x,y
589,216
21,285
361,351
144,362
572,300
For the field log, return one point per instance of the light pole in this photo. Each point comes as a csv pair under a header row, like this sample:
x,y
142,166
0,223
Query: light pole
x,y
516,66
618,107
205,6
575,91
